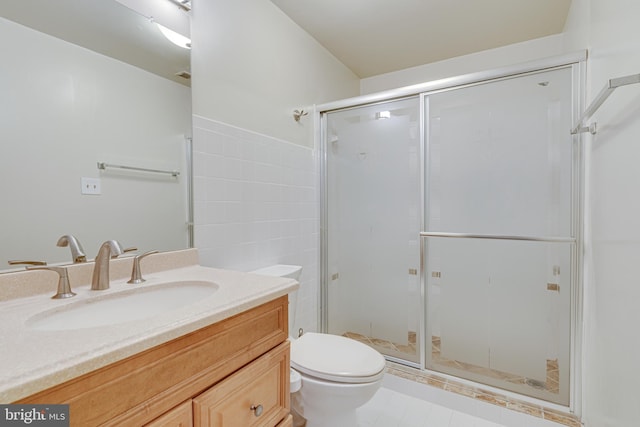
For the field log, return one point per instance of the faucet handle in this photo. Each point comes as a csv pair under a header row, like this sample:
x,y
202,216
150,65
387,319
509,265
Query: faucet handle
x,y
136,273
64,288
19,262
124,251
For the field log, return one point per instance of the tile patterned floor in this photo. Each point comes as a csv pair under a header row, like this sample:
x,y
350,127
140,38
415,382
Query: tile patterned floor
x,y
389,408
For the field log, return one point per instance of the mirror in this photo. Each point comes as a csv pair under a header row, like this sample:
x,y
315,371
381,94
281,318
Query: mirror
x,y
85,82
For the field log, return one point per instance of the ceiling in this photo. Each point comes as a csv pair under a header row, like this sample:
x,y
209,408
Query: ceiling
x,y
374,37
371,37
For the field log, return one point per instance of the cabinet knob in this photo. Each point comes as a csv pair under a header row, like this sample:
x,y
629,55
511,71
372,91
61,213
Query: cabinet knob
x,y
257,410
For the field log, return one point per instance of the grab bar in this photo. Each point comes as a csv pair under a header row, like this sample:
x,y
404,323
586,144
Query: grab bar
x,y
608,89
498,237
103,166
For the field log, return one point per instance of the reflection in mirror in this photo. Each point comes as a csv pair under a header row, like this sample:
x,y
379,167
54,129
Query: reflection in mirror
x,y
73,96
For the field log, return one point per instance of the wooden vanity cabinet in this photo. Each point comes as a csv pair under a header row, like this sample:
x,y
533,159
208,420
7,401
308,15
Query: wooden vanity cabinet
x,y
210,377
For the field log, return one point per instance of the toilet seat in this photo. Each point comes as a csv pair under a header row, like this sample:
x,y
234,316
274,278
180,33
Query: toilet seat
x,y
336,358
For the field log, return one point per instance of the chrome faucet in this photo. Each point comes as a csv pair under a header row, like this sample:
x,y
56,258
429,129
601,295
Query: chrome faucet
x,y
100,279
77,253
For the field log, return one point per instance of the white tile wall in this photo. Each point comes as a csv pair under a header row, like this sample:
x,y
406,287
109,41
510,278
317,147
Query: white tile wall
x,y
256,204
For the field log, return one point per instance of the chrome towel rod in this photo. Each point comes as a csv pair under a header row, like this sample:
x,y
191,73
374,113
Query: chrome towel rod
x,y
608,89
498,237
103,166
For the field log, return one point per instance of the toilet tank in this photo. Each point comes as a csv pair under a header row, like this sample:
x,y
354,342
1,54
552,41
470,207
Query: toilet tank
x,y
281,270
292,272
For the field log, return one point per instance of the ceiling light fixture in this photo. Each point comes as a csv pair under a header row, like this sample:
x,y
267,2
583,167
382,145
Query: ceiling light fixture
x,y
383,115
175,38
184,4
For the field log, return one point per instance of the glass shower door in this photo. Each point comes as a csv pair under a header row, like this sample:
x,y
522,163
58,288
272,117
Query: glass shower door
x,y
373,223
499,246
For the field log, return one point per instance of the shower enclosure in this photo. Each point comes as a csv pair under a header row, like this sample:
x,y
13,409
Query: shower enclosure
x,y
450,229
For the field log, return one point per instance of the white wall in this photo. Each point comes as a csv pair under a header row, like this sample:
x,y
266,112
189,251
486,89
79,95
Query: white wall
x,y
253,66
609,28
255,167
63,109
480,61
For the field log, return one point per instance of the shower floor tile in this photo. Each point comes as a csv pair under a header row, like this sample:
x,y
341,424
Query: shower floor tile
x,y
551,383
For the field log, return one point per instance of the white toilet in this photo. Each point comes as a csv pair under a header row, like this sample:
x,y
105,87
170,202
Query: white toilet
x,y
337,374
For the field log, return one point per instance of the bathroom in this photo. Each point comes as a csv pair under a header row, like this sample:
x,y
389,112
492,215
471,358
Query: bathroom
x,y
238,95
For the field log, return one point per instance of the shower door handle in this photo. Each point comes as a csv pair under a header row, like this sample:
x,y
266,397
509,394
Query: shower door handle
x,y
551,239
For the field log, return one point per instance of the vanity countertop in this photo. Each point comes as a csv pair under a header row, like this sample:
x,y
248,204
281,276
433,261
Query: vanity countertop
x,y
34,360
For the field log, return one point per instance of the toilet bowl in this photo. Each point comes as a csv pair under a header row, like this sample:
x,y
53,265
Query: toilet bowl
x,y
331,375
338,376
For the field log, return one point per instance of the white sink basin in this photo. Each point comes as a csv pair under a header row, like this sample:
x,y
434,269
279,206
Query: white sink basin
x,y
125,306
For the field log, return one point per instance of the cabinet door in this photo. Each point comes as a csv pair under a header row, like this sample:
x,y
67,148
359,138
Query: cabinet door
x,y
180,416
255,396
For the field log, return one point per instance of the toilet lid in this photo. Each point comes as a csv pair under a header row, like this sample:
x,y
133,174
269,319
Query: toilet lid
x,y
336,358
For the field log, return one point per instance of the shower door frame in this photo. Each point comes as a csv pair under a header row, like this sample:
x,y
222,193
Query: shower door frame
x,y
576,62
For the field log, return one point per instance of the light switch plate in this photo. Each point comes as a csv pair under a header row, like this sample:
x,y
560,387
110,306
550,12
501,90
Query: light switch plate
x,y
90,186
